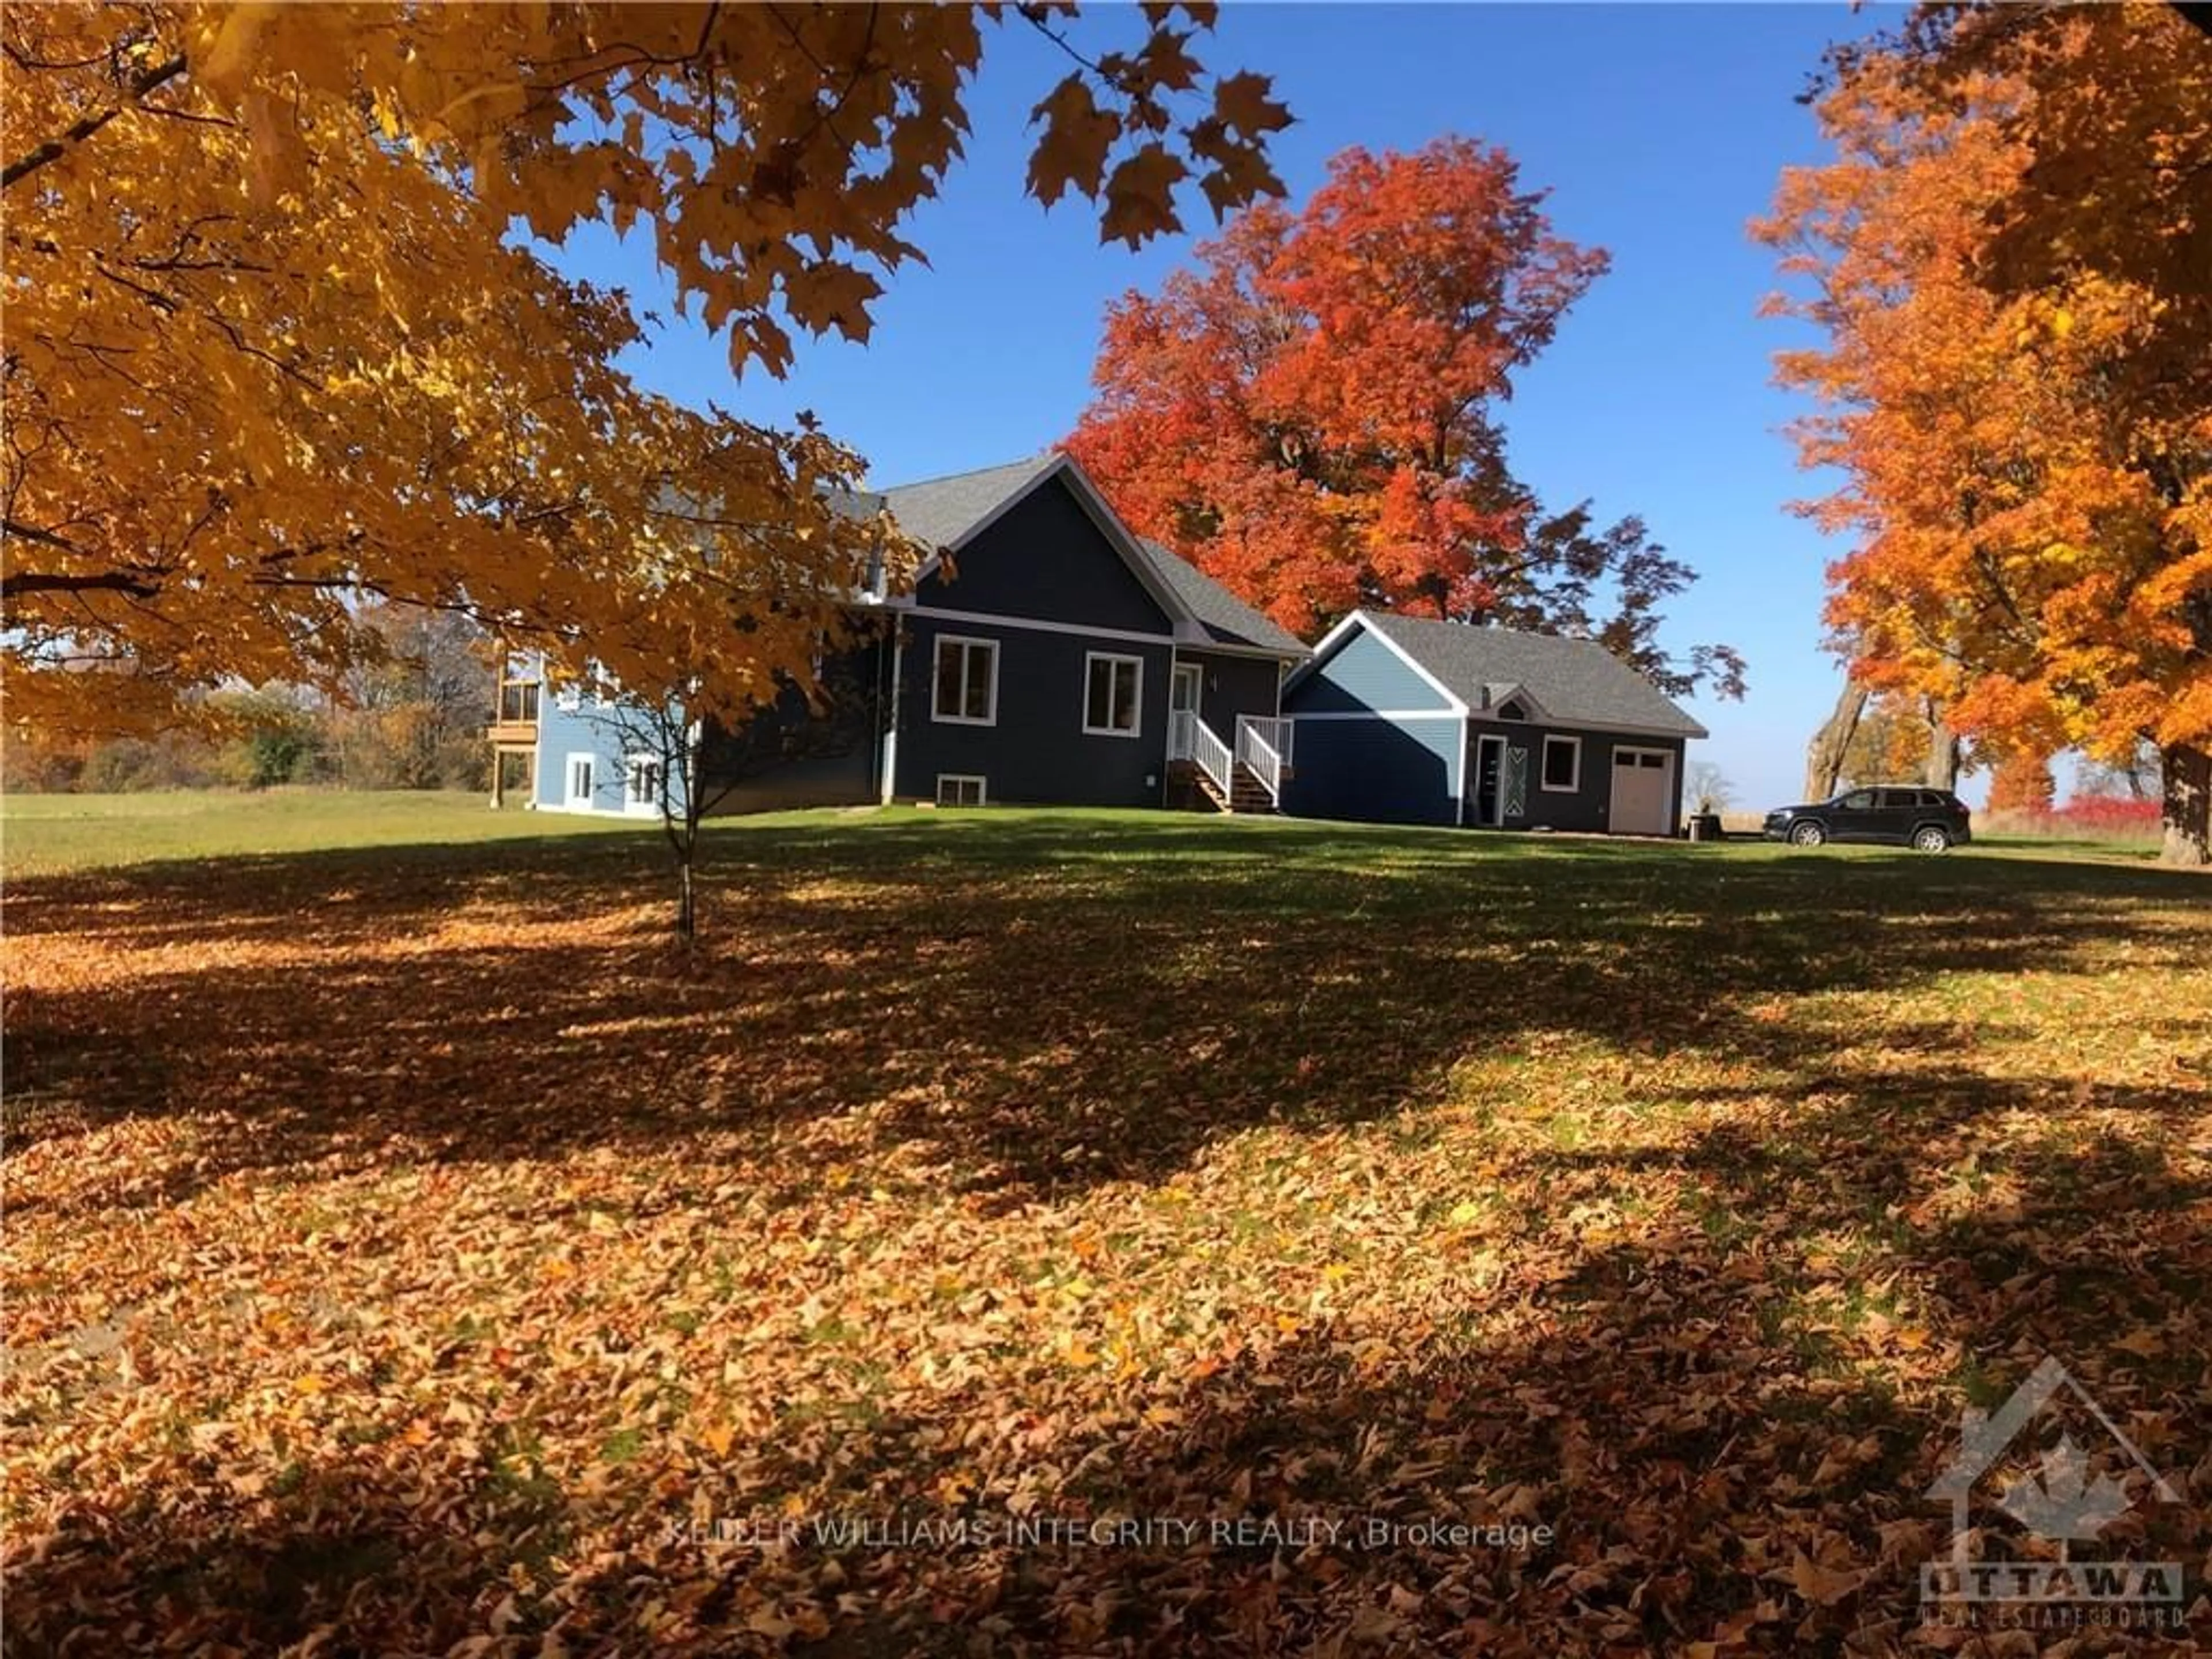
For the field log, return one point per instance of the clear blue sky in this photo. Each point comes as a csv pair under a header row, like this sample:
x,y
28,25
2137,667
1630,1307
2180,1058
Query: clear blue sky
x,y
1660,130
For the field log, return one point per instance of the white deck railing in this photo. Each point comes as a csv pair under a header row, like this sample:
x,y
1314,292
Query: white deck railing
x,y
1262,747
1207,751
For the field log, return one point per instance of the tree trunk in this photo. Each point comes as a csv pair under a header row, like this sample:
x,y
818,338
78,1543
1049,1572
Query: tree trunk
x,y
687,907
2188,815
1824,756
2138,776
1941,771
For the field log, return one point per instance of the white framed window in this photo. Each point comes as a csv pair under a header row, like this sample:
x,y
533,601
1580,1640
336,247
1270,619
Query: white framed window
x,y
1113,694
965,681
643,778
959,789
581,777
1563,764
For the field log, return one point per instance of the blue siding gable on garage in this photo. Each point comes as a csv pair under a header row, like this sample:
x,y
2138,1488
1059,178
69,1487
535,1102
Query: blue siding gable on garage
x,y
1362,674
1376,740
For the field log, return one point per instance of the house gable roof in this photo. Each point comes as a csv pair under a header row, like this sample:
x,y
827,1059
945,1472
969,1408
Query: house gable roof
x,y
1572,681
1226,619
945,513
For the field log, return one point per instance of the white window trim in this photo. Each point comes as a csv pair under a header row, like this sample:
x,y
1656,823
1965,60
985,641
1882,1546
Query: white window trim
x,y
570,800
1136,725
1196,671
982,786
1543,768
648,808
936,670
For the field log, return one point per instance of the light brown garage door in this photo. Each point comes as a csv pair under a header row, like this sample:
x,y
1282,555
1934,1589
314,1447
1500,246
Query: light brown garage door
x,y
1643,791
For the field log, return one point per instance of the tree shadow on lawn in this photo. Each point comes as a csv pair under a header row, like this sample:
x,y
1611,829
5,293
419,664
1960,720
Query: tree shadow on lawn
x,y
1713,1458
1727,1411
1044,1002
378,1553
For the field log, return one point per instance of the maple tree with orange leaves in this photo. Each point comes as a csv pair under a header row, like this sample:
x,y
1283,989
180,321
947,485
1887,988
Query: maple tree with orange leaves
x,y
2007,260
1311,414
272,355
2023,783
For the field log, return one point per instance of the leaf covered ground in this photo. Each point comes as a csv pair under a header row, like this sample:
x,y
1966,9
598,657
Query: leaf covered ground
x,y
411,1251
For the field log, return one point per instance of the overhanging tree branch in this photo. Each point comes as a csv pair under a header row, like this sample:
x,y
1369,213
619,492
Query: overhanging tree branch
x,y
17,583
54,148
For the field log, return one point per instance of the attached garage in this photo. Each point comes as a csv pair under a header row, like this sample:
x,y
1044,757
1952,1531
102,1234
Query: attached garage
x,y
1404,720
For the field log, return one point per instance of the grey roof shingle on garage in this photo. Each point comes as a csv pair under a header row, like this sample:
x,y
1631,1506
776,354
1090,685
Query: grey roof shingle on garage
x,y
1226,619
1573,682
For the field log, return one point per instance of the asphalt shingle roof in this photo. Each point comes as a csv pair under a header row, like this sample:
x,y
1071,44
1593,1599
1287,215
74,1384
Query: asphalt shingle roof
x,y
1226,619
1575,681
940,511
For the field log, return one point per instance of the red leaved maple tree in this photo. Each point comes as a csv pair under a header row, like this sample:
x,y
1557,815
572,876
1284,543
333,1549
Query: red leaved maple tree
x,y
2007,257
1311,414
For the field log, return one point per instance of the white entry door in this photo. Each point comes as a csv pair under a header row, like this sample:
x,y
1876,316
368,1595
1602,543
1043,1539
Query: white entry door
x,y
1643,791
1184,688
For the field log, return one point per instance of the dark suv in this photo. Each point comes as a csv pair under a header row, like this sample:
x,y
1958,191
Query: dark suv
x,y
1928,819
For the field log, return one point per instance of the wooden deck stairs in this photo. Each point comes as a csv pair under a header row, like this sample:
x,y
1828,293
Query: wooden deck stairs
x,y
1244,778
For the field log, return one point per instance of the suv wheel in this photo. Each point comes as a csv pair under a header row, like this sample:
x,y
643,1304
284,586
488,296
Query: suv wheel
x,y
1931,838
1807,834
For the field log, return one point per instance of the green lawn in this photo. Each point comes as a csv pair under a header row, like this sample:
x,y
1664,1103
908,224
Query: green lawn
x,y
42,834
410,1245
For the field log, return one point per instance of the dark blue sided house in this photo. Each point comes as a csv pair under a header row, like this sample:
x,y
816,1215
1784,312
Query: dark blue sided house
x,y
1048,656
1399,720
1045,656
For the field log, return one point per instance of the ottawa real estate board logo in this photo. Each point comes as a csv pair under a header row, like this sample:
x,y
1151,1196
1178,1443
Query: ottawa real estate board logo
x,y
2058,1498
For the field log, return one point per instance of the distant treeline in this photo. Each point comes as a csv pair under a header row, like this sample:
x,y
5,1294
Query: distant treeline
x,y
413,720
